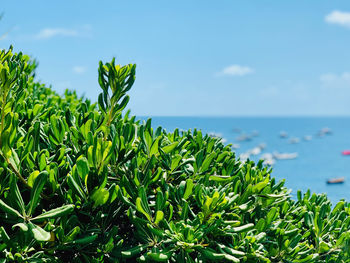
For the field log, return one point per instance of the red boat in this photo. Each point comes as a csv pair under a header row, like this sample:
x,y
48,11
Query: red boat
x,y
339,180
346,152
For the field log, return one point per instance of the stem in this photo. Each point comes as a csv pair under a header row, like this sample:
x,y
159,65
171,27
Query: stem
x,y
18,174
20,177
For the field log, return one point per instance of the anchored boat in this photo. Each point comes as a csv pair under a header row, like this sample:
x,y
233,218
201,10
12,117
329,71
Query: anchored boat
x,y
339,180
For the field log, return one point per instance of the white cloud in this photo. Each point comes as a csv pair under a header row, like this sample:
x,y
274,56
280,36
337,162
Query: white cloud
x,y
331,80
338,18
46,33
53,32
79,69
236,70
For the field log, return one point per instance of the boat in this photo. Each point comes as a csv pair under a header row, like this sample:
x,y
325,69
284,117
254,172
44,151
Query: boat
x,y
255,151
285,156
324,131
346,152
244,157
243,138
294,140
339,180
307,138
283,134
268,159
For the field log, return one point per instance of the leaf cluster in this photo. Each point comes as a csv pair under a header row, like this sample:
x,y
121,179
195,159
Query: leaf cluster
x,y
83,182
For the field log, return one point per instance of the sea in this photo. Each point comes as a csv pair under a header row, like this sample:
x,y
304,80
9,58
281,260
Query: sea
x,y
318,143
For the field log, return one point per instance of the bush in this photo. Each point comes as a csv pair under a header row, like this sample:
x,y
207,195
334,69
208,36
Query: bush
x,y
80,182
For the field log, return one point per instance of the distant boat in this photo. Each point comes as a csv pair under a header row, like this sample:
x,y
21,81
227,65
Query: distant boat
x,y
235,146
346,152
243,138
255,151
283,134
339,180
294,140
307,138
262,146
237,130
255,133
324,131
244,157
268,159
285,156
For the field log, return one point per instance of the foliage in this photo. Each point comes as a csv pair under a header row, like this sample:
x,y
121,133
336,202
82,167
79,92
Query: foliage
x,y
79,182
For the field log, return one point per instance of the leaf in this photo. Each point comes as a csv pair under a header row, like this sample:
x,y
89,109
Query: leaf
x,y
10,210
246,227
159,217
221,178
39,233
74,186
207,162
36,191
54,213
154,147
133,251
271,216
100,196
32,177
22,226
82,167
159,257
141,210
189,187
169,148
17,195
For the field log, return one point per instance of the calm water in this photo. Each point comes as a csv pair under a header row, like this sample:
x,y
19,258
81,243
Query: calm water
x,y
318,159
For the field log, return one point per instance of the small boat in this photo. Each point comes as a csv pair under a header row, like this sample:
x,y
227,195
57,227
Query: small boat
x,y
244,157
339,180
243,138
294,140
268,159
235,146
324,131
237,130
262,146
255,133
285,156
307,138
283,134
255,151
346,152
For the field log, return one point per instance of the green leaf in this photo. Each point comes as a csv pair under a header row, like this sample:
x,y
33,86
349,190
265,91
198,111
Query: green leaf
x,y
36,191
169,148
54,213
74,186
159,217
100,196
189,187
83,167
207,162
39,233
9,210
22,226
32,177
133,251
159,257
141,210
246,227
16,195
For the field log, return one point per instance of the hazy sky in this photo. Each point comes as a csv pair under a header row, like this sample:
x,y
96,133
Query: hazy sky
x,y
232,58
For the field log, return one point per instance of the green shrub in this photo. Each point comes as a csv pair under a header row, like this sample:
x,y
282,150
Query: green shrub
x,y
79,182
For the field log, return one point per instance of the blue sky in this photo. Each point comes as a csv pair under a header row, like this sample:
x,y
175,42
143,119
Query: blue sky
x,y
194,58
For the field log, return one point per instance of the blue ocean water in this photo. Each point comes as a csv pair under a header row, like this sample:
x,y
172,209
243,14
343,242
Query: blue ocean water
x,y
318,159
